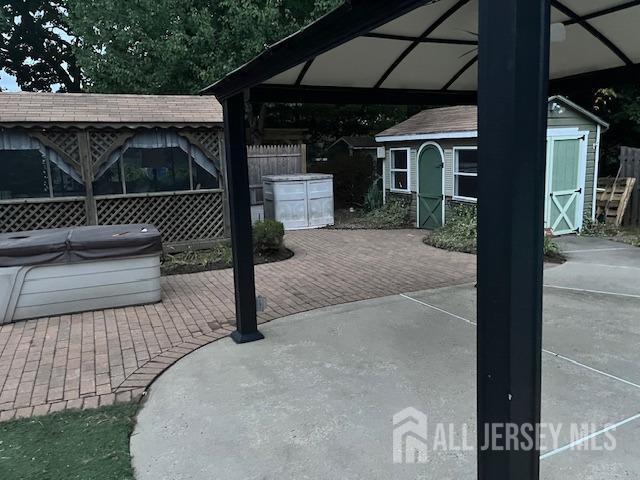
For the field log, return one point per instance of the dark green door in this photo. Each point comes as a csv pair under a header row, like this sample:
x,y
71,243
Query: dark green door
x,y
430,188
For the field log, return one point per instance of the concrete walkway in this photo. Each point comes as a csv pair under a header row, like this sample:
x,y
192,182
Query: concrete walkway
x,y
96,358
316,398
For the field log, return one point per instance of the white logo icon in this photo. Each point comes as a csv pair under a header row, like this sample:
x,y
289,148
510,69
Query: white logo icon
x,y
410,436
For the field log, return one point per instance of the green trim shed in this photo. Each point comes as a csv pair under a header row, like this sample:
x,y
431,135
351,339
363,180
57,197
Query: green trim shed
x,y
432,157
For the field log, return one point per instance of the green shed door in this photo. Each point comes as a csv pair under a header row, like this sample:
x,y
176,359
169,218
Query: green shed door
x,y
430,188
565,189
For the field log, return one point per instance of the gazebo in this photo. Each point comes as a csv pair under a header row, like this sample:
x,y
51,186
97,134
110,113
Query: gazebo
x,y
506,55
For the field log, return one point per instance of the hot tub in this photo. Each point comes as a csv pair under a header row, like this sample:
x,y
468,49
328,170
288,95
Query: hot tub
x,y
67,270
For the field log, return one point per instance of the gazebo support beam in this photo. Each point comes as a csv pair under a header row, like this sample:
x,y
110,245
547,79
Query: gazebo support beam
x,y
358,96
240,213
512,101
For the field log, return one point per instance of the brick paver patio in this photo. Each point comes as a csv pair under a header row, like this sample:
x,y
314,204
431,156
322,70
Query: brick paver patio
x,y
97,358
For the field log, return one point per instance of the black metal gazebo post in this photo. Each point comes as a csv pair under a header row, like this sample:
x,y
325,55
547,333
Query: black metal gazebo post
x,y
512,98
240,213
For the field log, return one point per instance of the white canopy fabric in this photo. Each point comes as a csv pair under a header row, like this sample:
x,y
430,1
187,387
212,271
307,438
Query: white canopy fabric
x,y
434,47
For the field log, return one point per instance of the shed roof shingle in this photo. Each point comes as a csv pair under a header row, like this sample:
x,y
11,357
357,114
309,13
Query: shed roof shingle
x,y
437,120
462,118
83,108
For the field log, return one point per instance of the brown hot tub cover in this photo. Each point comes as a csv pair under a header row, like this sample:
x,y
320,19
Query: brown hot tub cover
x,y
77,244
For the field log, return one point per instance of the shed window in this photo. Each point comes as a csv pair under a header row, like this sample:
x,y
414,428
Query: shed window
x,y
400,170
465,173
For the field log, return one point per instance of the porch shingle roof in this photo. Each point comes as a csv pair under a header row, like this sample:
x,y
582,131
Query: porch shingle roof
x,y
82,108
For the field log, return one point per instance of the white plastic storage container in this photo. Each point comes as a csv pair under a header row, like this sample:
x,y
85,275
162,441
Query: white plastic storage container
x,y
299,201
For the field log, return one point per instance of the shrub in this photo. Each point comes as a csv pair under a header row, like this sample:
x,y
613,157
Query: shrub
x,y
551,249
373,198
595,228
267,236
460,232
394,214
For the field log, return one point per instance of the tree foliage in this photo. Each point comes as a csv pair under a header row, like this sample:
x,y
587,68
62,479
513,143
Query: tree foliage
x,y
178,46
37,45
620,106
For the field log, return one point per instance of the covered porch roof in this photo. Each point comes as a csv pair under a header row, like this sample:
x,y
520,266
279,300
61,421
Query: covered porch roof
x,y
427,51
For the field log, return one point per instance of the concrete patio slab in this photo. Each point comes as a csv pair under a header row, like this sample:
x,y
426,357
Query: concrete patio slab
x,y
316,398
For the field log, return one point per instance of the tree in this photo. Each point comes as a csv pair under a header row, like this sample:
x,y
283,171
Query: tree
x,y
618,105
178,46
37,45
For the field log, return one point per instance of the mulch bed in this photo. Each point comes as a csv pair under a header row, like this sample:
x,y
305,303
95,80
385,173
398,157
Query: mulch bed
x,y
258,259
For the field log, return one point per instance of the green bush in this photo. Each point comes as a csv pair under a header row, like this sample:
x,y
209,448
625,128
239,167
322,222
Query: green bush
x,y
393,214
551,249
268,236
373,198
460,232
595,228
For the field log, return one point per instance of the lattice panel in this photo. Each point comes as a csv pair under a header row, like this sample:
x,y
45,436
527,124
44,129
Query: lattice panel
x,y
103,142
17,217
209,140
179,217
66,142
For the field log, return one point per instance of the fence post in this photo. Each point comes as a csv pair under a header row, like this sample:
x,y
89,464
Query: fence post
x,y
84,151
303,158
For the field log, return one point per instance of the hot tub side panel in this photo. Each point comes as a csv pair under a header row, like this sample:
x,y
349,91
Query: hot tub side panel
x,y
61,289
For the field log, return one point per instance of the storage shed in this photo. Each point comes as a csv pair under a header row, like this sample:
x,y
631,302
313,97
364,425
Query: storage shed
x,y
432,156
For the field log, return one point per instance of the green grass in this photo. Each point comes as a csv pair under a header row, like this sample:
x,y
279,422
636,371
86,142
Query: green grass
x,y
81,445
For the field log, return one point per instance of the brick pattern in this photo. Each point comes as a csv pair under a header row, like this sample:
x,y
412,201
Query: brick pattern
x,y
97,358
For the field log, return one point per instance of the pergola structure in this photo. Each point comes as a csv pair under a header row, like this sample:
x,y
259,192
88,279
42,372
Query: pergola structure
x,y
505,54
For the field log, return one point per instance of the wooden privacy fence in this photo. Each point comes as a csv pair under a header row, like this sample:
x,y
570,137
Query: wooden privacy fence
x,y
630,168
273,160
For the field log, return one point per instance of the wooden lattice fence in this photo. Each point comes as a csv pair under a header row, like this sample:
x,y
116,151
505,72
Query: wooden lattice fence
x,y
630,168
179,216
17,216
273,160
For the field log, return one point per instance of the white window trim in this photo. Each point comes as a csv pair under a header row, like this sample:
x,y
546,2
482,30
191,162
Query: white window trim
x,y
393,170
457,174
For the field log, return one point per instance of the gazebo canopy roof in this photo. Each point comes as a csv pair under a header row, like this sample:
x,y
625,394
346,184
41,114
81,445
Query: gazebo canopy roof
x,y
430,47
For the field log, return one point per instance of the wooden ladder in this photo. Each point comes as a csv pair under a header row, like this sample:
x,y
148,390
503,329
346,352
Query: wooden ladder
x,y
613,198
